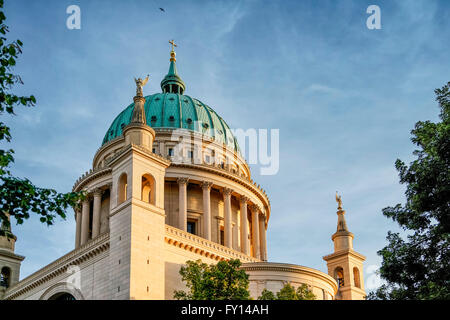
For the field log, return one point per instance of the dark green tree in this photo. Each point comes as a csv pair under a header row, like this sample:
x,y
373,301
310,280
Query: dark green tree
x,y
303,293
222,281
288,292
267,295
417,265
19,196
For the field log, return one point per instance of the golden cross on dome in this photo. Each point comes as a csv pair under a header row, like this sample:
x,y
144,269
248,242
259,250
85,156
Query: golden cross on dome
x,y
172,42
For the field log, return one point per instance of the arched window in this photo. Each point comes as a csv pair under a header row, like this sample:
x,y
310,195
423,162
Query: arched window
x,y
339,276
356,277
122,188
148,189
62,296
5,277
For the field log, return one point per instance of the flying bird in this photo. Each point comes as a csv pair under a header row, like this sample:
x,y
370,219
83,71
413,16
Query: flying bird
x,y
162,9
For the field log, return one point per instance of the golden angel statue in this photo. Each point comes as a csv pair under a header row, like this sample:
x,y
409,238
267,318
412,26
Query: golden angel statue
x,y
139,85
339,201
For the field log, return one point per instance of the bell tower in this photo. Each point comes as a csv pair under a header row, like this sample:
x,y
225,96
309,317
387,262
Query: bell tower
x,y
137,216
9,261
345,265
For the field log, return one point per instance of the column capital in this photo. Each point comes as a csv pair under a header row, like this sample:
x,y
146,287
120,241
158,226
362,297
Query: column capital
x,y
244,199
255,207
97,192
227,191
206,185
182,180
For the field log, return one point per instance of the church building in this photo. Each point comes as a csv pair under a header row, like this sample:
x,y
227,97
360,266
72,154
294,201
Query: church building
x,y
169,184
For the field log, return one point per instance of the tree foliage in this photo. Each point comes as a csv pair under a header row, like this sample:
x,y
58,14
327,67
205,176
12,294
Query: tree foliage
x,y
19,196
288,292
418,267
267,295
222,281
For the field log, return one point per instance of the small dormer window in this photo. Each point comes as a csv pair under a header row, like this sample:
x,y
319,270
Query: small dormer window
x,y
220,131
171,98
189,120
171,118
122,126
153,118
157,99
205,125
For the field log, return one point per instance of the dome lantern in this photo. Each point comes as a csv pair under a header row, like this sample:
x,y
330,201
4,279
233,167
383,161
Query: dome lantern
x,y
172,82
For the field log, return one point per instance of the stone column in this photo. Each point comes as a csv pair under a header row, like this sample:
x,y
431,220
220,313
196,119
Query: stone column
x,y
96,213
227,221
262,233
255,231
244,225
182,199
162,149
235,235
206,186
85,222
78,229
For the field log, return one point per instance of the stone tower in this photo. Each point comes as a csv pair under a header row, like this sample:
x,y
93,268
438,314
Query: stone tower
x,y
137,216
345,265
9,261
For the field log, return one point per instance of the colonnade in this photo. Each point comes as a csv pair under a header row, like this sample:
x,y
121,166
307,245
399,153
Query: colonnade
x,y
85,228
258,231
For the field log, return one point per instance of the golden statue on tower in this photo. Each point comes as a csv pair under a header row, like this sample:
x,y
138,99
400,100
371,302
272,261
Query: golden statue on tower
x,y
140,85
339,201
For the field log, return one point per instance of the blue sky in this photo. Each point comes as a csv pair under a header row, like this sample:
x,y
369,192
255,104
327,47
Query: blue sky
x,y
344,98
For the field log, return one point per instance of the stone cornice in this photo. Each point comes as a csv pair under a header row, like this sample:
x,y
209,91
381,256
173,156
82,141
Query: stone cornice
x,y
204,247
115,141
90,176
143,151
10,254
292,268
96,173
87,251
344,253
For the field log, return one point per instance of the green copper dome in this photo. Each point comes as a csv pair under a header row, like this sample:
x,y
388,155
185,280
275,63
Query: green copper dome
x,y
172,111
